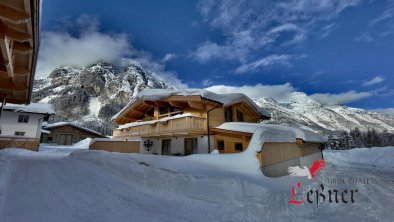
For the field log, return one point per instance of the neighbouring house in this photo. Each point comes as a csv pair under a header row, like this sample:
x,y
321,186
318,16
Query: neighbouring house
x,y
67,133
20,125
176,122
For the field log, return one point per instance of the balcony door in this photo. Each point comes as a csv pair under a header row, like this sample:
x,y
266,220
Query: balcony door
x,y
190,146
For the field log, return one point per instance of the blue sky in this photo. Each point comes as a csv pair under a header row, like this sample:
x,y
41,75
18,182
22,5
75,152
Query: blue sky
x,y
337,51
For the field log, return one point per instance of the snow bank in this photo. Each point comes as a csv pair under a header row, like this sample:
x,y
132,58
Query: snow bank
x,y
16,152
83,144
382,157
182,176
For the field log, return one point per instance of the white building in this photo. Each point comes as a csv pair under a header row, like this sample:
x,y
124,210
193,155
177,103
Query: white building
x,y
20,125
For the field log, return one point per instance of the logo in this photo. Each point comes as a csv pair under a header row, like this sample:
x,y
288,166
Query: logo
x,y
310,173
148,145
319,195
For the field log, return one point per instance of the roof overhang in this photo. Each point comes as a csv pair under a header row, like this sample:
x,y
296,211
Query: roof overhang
x,y
139,107
19,43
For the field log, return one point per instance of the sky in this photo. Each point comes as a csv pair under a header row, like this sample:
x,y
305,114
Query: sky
x,y
336,51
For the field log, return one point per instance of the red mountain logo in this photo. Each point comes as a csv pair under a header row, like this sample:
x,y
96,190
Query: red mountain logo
x,y
310,173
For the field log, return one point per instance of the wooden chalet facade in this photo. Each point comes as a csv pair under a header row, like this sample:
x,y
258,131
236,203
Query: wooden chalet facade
x,y
181,122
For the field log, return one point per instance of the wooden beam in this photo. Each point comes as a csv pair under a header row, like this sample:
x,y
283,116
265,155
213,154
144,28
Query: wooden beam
x,y
17,35
6,52
136,111
13,15
149,103
178,104
22,48
196,105
161,103
20,71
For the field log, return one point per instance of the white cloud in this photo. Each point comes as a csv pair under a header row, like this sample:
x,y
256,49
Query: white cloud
x,y
283,93
167,57
387,111
340,98
381,26
278,92
268,61
89,45
375,80
250,27
62,49
207,82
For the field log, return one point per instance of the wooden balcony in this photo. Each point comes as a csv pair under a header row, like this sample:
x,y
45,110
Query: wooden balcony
x,y
189,125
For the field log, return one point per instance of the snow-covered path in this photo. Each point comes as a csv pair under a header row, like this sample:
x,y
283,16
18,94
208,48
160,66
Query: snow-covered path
x,y
52,185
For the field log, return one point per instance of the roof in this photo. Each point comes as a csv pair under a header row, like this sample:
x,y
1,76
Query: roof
x,y
273,132
60,124
225,99
42,108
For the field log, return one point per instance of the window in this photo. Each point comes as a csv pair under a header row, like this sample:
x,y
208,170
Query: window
x,y
23,119
17,133
238,147
240,116
228,114
220,145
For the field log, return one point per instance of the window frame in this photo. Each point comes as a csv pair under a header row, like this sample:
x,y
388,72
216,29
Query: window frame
x,y
19,133
23,118
239,143
218,147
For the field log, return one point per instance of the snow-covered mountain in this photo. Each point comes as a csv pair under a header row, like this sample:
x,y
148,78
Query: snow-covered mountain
x,y
306,112
90,96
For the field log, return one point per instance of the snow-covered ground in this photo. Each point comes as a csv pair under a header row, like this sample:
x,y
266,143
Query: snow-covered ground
x,y
67,183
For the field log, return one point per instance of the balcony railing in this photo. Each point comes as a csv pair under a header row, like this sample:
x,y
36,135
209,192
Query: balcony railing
x,y
178,126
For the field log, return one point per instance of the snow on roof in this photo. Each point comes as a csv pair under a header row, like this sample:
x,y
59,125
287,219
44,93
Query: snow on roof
x,y
225,99
154,121
43,108
58,124
275,133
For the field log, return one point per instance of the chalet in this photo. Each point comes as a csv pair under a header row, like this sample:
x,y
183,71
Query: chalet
x,y
66,133
180,122
20,125
198,121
